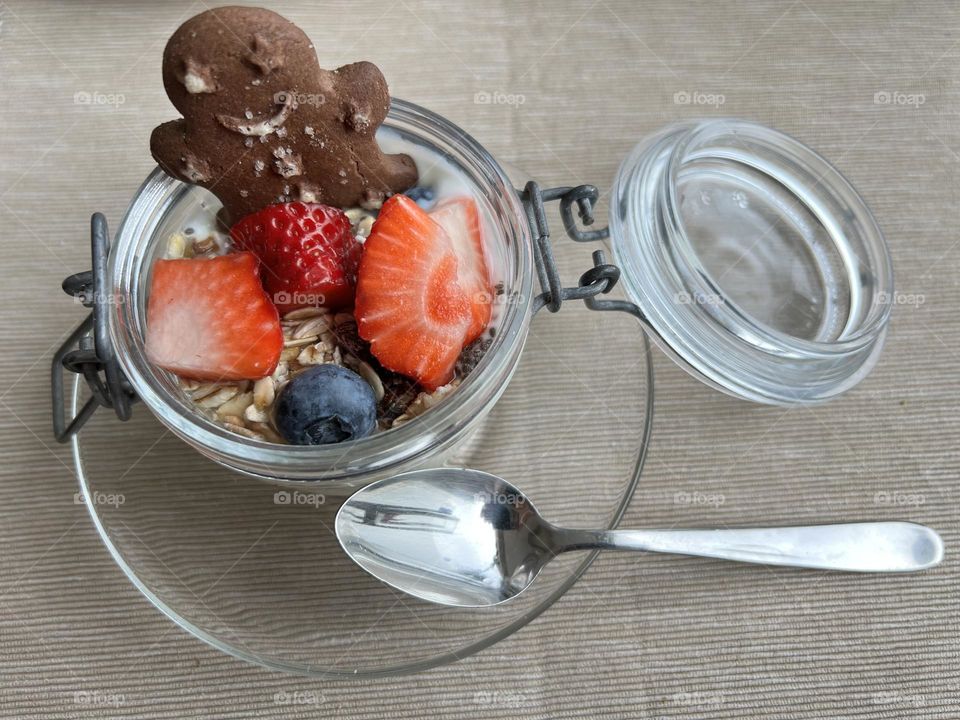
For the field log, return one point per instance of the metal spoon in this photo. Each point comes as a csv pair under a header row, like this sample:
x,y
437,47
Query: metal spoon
x,y
470,539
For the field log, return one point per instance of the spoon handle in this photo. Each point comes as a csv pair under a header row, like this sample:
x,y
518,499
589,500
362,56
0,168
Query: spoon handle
x,y
857,547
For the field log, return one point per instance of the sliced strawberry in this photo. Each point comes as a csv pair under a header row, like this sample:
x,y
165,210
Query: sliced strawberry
x,y
308,251
460,218
409,304
209,319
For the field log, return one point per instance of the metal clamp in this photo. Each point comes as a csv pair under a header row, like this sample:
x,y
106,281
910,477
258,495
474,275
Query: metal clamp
x,y
600,279
90,354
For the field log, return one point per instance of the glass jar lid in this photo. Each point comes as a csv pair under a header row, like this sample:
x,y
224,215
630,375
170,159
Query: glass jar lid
x,y
756,265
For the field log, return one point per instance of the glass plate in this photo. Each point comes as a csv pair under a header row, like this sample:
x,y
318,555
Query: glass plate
x,y
255,570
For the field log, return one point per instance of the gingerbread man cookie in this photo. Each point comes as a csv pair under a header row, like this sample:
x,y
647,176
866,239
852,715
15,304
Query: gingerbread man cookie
x,y
263,123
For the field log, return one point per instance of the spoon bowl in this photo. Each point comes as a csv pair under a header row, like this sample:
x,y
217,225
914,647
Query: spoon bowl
x,y
470,539
463,537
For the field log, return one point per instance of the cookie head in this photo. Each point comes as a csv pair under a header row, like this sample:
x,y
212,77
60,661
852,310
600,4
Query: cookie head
x,y
263,123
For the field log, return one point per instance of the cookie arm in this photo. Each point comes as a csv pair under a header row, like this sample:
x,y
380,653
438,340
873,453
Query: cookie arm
x,y
168,145
401,172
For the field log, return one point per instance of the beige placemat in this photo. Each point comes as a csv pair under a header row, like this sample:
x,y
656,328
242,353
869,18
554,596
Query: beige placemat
x,y
872,85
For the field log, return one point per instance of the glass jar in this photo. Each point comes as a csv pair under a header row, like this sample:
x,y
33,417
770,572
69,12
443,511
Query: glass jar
x,y
745,255
159,208
755,263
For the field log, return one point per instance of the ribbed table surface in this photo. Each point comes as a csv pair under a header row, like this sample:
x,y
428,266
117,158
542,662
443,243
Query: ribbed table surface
x,y
870,85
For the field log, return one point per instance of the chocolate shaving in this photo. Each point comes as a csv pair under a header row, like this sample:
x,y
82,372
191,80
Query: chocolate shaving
x,y
471,355
398,391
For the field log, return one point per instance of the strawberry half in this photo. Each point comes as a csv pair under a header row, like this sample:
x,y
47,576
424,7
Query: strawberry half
x,y
460,218
409,304
308,251
209,319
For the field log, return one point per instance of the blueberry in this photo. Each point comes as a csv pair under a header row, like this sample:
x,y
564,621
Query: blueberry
x,y
425,197
325,404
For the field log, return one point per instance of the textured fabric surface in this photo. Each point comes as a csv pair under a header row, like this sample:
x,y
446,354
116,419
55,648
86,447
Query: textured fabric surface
x,y
562,90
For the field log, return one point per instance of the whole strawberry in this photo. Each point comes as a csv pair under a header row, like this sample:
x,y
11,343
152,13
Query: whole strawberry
x,y
308,254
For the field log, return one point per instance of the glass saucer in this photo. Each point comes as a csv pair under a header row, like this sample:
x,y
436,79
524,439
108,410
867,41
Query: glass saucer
x,y
255,570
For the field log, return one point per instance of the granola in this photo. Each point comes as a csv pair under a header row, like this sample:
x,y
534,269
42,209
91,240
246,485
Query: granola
x,y
313,336
424,401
